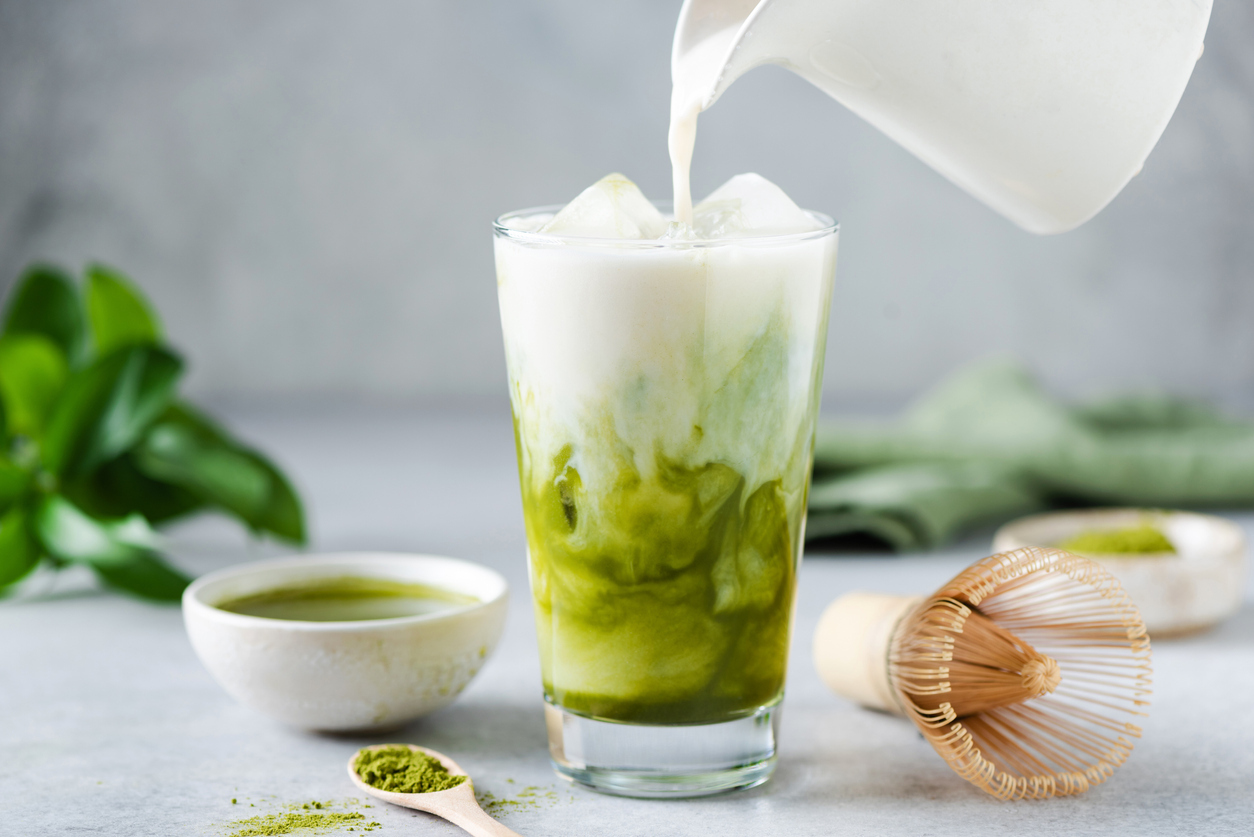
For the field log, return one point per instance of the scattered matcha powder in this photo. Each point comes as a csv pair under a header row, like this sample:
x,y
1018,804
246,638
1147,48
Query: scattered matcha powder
x,y
297,807
268,825
296,819
530,798
399,769
1135,540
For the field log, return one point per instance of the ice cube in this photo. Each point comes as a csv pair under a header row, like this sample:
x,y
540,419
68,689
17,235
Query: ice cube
x,y
613,207
746,205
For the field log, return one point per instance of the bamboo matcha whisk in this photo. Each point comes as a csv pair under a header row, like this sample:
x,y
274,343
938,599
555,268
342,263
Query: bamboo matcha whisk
x,y
1025,672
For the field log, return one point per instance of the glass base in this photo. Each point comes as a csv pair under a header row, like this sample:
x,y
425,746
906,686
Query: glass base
x,y
663,761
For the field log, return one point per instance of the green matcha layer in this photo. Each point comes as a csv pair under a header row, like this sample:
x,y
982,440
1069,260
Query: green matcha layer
x,y
663,569
677,608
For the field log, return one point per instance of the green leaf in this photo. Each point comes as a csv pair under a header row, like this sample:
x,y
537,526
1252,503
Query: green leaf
x,y
45,302
120,315
19,553
211,469
14,480
106,407
119,551
69,534
117,488
145,575
32,372
186,449
284,515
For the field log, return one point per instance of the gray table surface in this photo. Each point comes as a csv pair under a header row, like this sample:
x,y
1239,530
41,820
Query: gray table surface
x,y
109,724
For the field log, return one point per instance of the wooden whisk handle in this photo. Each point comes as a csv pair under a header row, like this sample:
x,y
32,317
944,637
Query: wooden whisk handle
x,y
851,646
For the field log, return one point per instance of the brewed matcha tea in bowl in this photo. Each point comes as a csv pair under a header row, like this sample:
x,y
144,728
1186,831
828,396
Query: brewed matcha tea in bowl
x,y
346,642
664,380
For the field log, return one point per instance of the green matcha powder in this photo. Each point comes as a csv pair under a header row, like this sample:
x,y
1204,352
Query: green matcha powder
x,y
276,824
1134,540
399,769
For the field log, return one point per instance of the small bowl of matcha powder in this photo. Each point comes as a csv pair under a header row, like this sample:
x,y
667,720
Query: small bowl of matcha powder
x,y
399,768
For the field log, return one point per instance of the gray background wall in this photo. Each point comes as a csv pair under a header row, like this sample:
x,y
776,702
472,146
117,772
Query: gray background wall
x,y
305,188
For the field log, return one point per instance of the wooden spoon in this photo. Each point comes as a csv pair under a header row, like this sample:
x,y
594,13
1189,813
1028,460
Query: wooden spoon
x,y
457,804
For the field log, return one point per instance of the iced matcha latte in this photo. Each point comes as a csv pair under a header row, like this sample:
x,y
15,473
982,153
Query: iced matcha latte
x,y
664,381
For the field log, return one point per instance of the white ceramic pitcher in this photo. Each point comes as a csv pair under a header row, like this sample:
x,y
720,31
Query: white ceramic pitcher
x,y
1042,109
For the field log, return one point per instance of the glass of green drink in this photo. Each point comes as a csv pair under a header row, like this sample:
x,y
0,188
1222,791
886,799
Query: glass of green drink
x,y
664,394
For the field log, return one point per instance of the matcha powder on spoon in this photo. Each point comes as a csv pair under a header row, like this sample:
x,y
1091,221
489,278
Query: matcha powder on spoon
x,y
398,769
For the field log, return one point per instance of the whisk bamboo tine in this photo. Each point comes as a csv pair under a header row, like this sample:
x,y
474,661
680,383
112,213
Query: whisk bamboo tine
x,y
1021,671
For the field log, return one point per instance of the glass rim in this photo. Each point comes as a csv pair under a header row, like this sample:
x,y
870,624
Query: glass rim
x,y
830,226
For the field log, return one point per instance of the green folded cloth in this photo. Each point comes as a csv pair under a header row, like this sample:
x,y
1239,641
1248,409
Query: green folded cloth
x,y
989,444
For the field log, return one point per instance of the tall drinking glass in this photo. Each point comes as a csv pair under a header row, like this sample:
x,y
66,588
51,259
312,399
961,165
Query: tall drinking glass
x,y
664,397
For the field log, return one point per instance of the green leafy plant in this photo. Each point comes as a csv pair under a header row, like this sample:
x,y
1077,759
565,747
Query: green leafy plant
x,y
96,447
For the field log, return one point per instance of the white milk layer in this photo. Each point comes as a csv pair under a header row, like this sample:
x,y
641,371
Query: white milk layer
x,y
697,354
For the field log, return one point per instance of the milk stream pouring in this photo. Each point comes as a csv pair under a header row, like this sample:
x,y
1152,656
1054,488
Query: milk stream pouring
x,y
1043,110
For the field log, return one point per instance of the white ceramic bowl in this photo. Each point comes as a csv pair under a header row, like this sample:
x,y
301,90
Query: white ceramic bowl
x,y
1195,588
346,675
